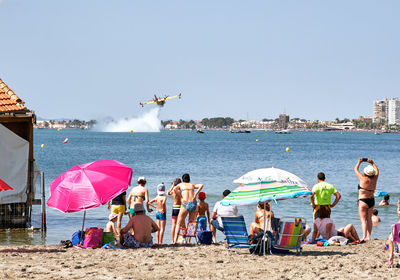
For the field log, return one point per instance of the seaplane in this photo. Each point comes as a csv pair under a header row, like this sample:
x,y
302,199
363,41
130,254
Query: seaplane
x,y
160,101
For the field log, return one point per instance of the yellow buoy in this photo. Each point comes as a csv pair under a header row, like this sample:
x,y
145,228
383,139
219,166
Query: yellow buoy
x,y
287,149
59,129
256,140
131,131
42,145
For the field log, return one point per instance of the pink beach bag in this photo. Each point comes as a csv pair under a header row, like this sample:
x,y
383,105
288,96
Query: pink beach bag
x,y
93,237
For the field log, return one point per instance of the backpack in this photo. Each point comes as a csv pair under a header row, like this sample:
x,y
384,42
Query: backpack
x,y
77,238
93,237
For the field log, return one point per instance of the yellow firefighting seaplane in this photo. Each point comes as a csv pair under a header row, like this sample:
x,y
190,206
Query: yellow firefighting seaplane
x,y
160,100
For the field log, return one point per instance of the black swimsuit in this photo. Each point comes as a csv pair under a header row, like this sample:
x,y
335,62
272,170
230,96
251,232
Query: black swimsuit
x,y
369,201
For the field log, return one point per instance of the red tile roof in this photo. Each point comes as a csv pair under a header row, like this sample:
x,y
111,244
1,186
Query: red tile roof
x,y
9,101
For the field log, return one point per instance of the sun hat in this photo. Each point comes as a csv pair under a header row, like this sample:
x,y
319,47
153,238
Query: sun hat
x,y
138,207
202,195
161,189
112,216
369,171
141,178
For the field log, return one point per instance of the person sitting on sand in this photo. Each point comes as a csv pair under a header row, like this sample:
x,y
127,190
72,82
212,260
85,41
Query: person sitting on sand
x,y
385,201
375,218
139,194
393,246
161,215
258,225
324,226
176,207
110,226
142,225
202,210
189,203
366,195
221,211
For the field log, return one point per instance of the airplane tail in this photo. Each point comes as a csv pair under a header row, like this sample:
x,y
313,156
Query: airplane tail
x,y
179,95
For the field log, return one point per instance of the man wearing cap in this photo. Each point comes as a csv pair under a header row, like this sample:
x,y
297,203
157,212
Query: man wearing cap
x,y
139,194
366,195
321,195
142,225
221,211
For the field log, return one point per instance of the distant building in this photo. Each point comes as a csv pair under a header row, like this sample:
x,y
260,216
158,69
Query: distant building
x,y
381,111
283,120
394,111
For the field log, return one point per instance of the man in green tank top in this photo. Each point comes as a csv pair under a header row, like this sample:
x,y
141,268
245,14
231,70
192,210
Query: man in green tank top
x,y
321,195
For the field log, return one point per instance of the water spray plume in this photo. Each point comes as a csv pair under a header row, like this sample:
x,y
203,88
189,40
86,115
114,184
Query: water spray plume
x,y
148,122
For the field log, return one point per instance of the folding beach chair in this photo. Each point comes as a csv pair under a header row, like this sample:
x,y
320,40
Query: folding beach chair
x,y
236,232
191,232
396,239
289,234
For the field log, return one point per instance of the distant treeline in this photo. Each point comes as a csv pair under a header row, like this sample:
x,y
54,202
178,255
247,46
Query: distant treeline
x,y
210,123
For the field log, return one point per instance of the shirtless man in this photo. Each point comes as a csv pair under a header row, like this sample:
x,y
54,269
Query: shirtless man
x,y
258,224
139,194
366,195
176,207
189,203
142,225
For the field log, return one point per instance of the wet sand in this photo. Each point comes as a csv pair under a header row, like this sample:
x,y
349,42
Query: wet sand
x,y
367,261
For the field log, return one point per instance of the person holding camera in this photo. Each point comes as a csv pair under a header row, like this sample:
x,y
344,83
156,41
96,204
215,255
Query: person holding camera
x,y
366,195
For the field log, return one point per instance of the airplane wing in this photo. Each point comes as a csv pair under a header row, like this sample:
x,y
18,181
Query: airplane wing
x,y
175,96
148,102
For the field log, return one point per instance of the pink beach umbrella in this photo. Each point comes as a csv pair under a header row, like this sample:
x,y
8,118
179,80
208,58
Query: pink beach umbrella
x,y
89,185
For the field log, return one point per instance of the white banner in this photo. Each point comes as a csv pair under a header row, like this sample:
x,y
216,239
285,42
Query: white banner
x,y
14,158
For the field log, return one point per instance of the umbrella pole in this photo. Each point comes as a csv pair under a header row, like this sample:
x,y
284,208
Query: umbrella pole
x,y
83,224
264,230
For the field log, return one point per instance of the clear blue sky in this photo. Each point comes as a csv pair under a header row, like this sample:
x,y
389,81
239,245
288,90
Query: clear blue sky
x,y
89,59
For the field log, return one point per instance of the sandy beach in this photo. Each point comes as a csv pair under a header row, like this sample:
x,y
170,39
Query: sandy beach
x,y
366,261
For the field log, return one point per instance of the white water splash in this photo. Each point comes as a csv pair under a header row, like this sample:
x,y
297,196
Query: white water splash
x,y
148,122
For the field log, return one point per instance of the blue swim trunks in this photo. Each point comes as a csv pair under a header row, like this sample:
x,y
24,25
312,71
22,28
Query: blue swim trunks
x,y
201,223
161,216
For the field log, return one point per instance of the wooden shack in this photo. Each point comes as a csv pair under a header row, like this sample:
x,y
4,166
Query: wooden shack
x,y
16,126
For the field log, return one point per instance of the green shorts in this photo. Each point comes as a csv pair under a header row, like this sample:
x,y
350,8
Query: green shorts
x,y
133,212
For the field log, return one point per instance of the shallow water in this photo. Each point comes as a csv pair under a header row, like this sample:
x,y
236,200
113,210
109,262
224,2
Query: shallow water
x,y
215,159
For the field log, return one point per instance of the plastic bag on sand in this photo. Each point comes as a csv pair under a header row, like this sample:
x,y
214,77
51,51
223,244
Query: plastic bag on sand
x,y
338,240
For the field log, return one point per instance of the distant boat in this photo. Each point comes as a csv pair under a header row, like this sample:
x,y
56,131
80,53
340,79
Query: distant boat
x,y
65,141
283,131
377,133
200,131
239,131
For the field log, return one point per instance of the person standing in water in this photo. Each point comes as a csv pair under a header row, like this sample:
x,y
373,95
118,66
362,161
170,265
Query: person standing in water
x,y
189,193
366,195
139,194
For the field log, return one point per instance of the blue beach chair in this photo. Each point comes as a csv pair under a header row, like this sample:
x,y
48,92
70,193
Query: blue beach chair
x,y
236,232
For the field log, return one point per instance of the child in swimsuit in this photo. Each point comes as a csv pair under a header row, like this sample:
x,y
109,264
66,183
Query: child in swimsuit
x,y
202,210
161,215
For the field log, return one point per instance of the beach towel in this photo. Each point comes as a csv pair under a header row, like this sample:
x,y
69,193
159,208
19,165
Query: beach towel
x,y
93,237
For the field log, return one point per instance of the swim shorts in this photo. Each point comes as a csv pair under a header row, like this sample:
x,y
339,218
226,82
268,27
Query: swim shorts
x,y
161,216
175,210
118,209
201,222
131,242
133,212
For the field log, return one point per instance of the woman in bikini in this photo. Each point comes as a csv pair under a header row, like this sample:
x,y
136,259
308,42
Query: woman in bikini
x,y
139,194
366,195
188,204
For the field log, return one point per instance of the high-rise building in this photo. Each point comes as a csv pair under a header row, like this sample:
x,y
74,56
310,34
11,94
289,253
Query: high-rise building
x,y
381,111
394,111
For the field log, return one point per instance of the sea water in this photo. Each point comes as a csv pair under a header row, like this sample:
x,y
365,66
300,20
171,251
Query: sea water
x,y
215,159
